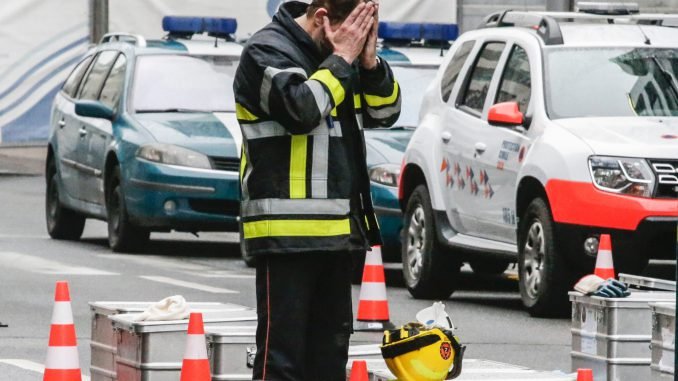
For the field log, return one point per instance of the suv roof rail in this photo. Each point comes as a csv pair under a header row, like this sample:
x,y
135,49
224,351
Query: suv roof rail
x,y
136,39
547,24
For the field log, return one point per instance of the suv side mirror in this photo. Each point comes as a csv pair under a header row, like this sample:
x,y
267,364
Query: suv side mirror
x,y
506,114
94,109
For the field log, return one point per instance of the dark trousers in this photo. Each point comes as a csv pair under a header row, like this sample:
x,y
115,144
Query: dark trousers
x,y
304,317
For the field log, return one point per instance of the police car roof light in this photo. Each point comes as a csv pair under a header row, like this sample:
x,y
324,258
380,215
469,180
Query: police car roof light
x,y
390,31
220,27
608,9
183,25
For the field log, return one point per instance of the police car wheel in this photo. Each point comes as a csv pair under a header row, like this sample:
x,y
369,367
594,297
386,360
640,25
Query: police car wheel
x,y
62,223
545,276
430,270
123,235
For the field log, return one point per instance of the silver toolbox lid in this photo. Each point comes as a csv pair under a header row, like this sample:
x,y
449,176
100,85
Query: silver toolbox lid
x,y
637,299
364,350
216,333
652,283
111,308
128,322
668,309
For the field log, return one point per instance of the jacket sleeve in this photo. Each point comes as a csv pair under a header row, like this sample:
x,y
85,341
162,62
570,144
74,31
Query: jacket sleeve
x,y
381,93
278,89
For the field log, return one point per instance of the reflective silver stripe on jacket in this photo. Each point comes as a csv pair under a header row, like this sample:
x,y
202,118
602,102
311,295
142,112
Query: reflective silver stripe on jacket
x,y
246,174
359,117
267,82
322,99
321,153
306,206
271,129
386,112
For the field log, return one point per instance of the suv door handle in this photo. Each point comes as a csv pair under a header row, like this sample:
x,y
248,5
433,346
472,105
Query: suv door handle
x,y
62,123
82,131
446,137
481,148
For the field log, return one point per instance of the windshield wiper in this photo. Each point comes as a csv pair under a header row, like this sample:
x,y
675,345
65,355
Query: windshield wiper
x,y
667,75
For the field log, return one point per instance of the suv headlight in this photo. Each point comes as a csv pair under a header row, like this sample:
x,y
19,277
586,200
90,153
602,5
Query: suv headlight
x,y
174,155
386,174
622,175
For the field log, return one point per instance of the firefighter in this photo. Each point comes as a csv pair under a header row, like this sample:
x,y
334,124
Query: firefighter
x,y
306,86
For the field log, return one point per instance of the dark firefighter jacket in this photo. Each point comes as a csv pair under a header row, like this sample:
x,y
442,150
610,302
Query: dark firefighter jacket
x,y
304,180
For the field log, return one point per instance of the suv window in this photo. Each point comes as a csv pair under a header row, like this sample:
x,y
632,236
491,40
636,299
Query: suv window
x,y
516,83
452,71
91,87
110,94
73,81
481,76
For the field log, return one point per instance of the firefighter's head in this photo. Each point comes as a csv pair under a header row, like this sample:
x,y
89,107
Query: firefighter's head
x,y
336,11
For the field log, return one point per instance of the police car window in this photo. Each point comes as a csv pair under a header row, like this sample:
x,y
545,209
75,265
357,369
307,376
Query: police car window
x,y
516,83
110,94
73,81
171,83
481,76
97,74
454,68
611,82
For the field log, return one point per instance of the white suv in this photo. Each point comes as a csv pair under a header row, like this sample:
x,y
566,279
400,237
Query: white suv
x,y
540,132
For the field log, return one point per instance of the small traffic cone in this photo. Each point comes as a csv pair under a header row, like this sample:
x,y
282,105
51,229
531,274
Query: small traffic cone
x,y
604,264
584,375
373,312
62,362
196,366
359,371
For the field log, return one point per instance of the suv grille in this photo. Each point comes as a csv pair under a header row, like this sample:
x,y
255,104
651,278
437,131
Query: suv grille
x,y
667,178
225,163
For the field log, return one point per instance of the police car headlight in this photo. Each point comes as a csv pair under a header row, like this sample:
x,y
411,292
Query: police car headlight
x,y
621,175
385,174
174,155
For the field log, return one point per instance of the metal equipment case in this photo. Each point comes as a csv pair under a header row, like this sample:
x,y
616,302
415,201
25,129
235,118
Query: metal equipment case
x,y
663,340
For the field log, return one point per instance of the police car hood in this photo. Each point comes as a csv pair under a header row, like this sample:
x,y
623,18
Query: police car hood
x,y
629,136
213,134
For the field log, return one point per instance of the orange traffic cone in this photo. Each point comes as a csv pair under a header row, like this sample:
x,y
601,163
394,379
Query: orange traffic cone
x,y
359,371
62,362
584,375
373,312
604,264
196,366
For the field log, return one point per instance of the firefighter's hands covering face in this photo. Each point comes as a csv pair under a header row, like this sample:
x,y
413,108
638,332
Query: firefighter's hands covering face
x,y
368,57
348,40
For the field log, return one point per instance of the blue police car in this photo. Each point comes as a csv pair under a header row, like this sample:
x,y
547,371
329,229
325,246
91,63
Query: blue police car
x,y
144,136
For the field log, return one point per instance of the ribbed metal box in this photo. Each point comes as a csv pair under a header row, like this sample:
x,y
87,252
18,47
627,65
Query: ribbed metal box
x,y
227,350
612,335
104,345
663,341
153,350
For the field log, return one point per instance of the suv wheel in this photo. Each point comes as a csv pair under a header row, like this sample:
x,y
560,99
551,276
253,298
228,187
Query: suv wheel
x,y
430,270
123,236
62,223
544,274
489,266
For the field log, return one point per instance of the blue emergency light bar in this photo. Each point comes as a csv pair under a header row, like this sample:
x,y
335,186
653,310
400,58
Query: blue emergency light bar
x,y
182,26
430,32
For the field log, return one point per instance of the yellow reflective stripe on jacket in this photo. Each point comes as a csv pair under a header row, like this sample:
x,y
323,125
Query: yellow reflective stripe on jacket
x,y
243,163
377,101
326,77
298,166
357,101
296,228
334,112
244,114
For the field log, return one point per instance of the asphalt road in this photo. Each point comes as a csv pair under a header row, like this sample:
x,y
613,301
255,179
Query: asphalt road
x,y
487,310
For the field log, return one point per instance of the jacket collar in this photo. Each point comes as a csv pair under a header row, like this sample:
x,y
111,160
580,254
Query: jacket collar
x,y
286,16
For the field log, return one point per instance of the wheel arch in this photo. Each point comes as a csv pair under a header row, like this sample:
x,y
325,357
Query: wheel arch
x,y
110,163
411,177
49,159
529,189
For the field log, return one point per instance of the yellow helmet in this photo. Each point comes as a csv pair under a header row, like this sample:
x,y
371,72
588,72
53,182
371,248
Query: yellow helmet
x,y
414,353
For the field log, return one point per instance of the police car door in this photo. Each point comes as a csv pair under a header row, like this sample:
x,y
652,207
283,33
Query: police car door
x,y
90,128
501,150
466,127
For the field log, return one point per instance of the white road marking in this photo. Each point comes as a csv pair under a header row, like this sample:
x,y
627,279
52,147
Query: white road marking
x,y
225,274
30,365
158,262
181,283
39,265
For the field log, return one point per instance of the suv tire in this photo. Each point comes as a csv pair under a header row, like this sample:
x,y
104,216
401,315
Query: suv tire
x,y
62,223
123,235
430,270
545,276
